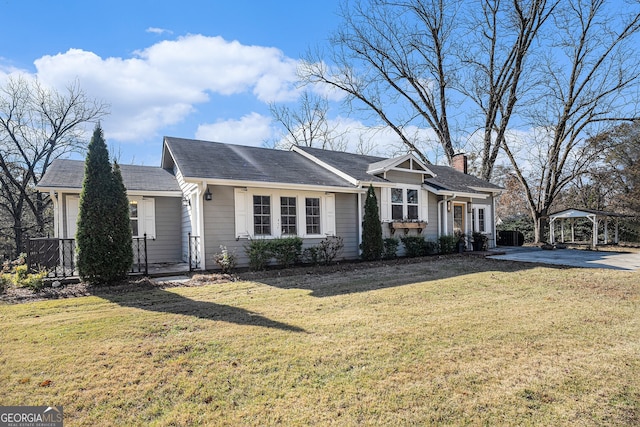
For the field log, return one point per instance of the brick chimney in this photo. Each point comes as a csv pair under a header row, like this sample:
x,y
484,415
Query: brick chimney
x,y
459,162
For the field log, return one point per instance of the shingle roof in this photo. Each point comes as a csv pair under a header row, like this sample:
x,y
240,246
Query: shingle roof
x,y
70,173
214,160
447,178
356,165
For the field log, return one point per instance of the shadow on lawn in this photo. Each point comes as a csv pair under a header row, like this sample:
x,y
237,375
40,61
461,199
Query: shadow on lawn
x,y
163,301
363,277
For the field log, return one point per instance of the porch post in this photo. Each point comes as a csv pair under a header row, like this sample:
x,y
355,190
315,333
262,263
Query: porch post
x,y
606,230
359,222
617,240
551,229
595,230
57,218
445,216
200,218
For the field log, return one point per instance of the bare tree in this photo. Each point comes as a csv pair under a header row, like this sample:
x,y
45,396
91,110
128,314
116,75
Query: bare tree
x,y
586,83
308,125
425,63
382,58
618,175
501,35
37,125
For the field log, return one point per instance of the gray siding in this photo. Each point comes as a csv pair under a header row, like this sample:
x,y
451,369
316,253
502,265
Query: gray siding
x,y
404,177
167,245
431,232
219,225
347,224
185,214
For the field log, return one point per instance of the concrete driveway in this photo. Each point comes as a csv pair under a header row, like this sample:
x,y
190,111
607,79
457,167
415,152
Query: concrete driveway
x,y
572,257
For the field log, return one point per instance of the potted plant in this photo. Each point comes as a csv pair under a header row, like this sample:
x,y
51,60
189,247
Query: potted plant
x,y
462,243
479,241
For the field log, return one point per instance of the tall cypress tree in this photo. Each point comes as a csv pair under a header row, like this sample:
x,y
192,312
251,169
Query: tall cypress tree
x,y
102,243
372,245
122,239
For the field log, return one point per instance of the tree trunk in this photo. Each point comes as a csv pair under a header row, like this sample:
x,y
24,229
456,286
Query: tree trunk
x,y
18,236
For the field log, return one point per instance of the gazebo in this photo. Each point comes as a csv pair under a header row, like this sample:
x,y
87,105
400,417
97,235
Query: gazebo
x,y
594,216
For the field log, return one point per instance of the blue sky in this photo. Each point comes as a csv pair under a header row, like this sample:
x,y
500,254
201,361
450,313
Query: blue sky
x,y
192,69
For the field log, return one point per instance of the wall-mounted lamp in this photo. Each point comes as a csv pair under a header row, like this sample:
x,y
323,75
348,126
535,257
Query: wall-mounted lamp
x,y
207,195
469,208
448,205
186,201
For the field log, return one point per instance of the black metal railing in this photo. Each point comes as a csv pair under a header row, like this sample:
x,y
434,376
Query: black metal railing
x,y
56,256
140,261
194,252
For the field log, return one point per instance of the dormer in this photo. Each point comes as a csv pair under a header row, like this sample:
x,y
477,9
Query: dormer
x,y
407,168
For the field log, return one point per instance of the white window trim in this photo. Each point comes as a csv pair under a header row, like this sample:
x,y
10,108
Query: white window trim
x,y
476,218
244,213
386,205
146,216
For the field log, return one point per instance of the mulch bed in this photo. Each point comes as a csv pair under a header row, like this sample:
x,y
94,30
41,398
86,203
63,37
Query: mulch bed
x,y
14,295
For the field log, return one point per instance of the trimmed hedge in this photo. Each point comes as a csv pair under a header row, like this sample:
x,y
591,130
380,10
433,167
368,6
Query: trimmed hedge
x,y
286,251
416,246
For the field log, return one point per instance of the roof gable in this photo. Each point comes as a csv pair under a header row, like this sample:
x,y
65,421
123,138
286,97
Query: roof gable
x,y
407,163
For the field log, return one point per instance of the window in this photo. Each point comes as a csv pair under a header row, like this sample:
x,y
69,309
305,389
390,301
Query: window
x,y
133,217
481,222
404,207
142,216
412,204
480,218
397,204
458,218
262,215
288,215
312,206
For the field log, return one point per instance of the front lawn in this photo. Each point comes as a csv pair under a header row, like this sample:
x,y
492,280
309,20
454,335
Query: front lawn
x,y
452,340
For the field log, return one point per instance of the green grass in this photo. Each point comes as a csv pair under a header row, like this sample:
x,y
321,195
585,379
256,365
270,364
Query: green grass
x,y
456,341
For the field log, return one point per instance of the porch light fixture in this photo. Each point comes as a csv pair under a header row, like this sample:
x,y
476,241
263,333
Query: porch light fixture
x,y
207,195
448,205
469,208
186,201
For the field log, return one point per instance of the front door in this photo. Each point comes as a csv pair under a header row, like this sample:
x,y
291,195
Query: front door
x,y
458,218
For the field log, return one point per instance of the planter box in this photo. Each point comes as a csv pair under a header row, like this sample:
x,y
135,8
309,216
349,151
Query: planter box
x,y
406,226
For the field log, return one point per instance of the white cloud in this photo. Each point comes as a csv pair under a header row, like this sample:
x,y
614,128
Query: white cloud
x,y
252,129
160,31
161,85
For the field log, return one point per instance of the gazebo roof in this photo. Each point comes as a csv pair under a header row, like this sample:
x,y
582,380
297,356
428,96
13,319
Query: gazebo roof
x,y
584,213
592,215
